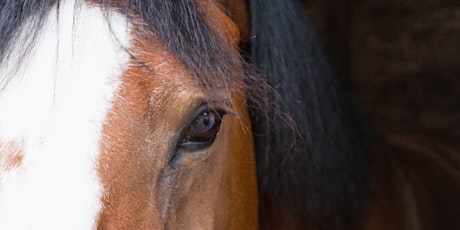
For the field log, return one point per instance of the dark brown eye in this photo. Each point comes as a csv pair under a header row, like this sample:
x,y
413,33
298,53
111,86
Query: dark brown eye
x,y
204,127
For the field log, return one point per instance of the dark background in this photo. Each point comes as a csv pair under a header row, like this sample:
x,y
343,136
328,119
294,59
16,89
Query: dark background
x,y
400,58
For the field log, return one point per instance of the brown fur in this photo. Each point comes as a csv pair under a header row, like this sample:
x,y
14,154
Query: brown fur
x,y
215,188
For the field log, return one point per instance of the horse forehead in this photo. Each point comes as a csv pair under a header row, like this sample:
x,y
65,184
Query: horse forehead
x,y
51,116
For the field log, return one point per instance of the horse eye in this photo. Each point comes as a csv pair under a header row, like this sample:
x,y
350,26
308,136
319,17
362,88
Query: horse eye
x,y
203,130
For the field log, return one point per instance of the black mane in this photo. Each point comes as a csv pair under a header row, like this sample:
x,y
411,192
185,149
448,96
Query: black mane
x,y
320,171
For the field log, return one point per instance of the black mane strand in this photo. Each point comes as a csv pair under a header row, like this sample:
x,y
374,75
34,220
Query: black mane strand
x,y
311,164
184,31
14,16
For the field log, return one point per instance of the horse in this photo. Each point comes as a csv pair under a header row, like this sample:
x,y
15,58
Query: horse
x,y
198,114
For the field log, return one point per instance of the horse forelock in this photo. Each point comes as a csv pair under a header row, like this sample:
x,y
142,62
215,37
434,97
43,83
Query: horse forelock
x,y
181,26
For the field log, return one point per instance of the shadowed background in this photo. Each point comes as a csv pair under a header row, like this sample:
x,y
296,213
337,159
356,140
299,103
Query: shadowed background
x,y
401,58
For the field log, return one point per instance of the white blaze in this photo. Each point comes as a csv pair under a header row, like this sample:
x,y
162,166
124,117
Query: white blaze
x,y
56,106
